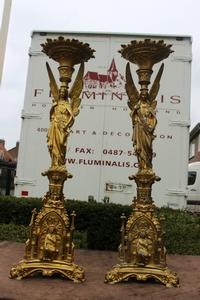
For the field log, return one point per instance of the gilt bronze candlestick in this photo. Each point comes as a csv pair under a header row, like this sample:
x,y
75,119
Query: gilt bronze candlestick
x,y
142,253
50,247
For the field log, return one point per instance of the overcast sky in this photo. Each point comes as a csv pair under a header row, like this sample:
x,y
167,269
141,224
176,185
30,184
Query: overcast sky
x,y
176,17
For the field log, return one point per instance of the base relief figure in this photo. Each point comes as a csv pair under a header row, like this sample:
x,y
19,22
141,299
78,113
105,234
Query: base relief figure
x,y
143,248
50,250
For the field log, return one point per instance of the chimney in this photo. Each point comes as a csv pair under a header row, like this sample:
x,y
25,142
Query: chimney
x,y
2,142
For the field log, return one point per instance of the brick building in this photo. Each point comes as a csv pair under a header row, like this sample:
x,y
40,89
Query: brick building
x,y
8,163
14,152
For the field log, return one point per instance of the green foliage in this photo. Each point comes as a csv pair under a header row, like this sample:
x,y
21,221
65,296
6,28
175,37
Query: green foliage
x,y
13,232
104,225
80,239
17,210
82,209
182,231
98,224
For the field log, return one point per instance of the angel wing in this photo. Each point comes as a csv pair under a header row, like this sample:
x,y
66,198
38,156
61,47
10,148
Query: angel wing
x,y
154,104
156,85
75,91
130,87
52,83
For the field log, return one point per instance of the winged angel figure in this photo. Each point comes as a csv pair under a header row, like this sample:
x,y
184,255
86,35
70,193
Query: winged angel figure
x,y
65,107
143,114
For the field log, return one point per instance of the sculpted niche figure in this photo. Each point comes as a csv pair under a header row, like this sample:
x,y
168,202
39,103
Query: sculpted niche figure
x,y
143,115
50,250
143,248
62,116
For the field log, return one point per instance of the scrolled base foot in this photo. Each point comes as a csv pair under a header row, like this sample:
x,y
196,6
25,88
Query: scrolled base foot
x,y
29,268
125,272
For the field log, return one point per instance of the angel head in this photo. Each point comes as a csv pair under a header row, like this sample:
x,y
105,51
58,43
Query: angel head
x,y
63,94
144,95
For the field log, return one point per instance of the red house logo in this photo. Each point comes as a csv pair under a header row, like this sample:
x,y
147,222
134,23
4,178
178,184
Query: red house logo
x,y
112,79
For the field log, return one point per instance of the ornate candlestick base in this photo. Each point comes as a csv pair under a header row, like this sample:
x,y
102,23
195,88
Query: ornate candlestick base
x,y
123,272
50,247
142,252
26,268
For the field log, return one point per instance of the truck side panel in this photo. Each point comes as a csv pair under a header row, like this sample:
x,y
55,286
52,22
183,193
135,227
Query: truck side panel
x,y
100,153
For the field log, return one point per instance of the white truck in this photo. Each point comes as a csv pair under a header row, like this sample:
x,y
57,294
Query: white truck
x,y
100,152
193,197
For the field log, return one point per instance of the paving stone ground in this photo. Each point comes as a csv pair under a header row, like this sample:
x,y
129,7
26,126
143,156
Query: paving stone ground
x,y
96,263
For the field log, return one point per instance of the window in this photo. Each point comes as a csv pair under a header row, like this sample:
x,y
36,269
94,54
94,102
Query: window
x,y
191,177
192,150
1,154
199,143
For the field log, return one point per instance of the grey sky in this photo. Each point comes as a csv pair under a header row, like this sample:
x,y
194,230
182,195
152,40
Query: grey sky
x,y
178,17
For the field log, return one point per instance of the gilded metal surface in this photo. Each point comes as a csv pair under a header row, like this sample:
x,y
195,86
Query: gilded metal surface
x,y
50,248
145,53
65,106
142,253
